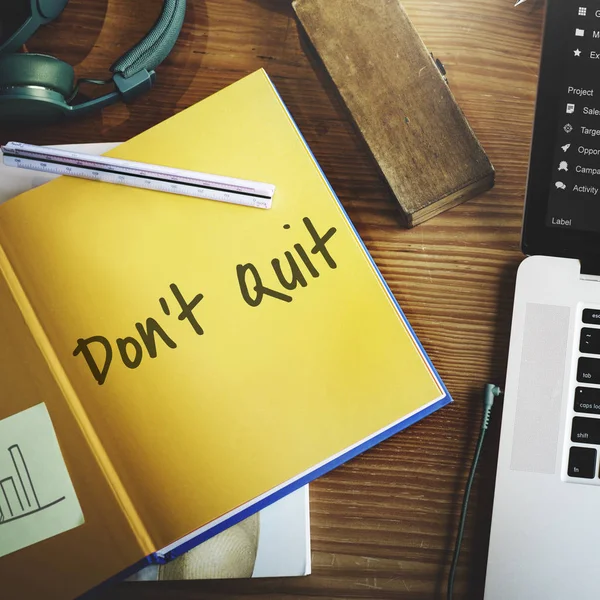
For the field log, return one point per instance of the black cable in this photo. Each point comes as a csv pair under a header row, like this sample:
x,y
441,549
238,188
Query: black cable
x,y
491,391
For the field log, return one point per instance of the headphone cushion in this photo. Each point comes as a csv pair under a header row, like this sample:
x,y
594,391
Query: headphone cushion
x,y
37,69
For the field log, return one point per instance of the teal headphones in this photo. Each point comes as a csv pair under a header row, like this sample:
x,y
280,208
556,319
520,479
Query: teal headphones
x,y
37,88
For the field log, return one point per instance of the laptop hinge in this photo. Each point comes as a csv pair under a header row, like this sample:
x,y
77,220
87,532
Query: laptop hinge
x,y
590,270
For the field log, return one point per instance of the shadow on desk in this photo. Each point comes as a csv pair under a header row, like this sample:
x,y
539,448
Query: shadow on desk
x,y
111,28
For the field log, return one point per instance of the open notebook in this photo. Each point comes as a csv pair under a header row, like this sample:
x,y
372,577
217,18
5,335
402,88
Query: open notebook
x,y
181,364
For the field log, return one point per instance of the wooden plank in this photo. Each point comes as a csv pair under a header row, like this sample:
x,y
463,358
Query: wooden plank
x,y
399,102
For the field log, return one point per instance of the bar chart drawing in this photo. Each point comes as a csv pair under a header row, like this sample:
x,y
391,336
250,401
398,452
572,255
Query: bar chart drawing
x,y
18,494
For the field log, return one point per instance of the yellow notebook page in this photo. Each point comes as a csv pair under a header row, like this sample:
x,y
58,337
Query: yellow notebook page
x,y
251,383
68,564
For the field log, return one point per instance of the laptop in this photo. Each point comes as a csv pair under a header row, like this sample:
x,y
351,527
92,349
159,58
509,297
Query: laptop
x,y
545,533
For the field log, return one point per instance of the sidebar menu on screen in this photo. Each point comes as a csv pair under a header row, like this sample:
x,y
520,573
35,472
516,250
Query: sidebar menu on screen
x,y
574,200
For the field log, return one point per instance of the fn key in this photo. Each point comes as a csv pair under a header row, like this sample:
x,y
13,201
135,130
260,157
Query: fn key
x,y
582,462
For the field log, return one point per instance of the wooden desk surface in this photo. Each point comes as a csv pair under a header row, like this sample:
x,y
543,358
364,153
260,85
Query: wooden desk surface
x,y
383,525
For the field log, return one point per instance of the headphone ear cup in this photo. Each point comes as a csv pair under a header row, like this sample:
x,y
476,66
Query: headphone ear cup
x,y
37,70
34,88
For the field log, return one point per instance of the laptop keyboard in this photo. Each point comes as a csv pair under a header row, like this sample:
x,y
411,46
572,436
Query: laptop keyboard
x,y
585,427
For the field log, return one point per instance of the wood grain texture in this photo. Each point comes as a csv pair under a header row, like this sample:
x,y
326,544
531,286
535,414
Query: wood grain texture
x,y
382,525
399,102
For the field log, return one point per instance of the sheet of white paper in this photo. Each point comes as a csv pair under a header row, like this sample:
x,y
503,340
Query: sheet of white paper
x,y
37,498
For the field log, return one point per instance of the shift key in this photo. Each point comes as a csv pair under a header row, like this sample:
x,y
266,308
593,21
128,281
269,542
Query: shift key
x,y
588,370
585,430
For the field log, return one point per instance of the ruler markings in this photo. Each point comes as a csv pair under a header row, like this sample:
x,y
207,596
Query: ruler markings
x,y
140,175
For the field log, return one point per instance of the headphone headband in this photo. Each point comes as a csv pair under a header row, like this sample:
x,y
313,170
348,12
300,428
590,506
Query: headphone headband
x,y
134,71
156,45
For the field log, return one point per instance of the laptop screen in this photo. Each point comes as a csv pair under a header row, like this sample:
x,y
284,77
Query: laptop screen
x,y
562,206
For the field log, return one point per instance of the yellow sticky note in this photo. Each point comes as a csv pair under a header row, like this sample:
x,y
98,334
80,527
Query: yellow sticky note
x,y
37,498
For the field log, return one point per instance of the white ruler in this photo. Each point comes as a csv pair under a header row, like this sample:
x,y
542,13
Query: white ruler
x,y
142,175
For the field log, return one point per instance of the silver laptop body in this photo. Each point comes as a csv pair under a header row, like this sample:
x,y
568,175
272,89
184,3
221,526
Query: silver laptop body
x,y
545,532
